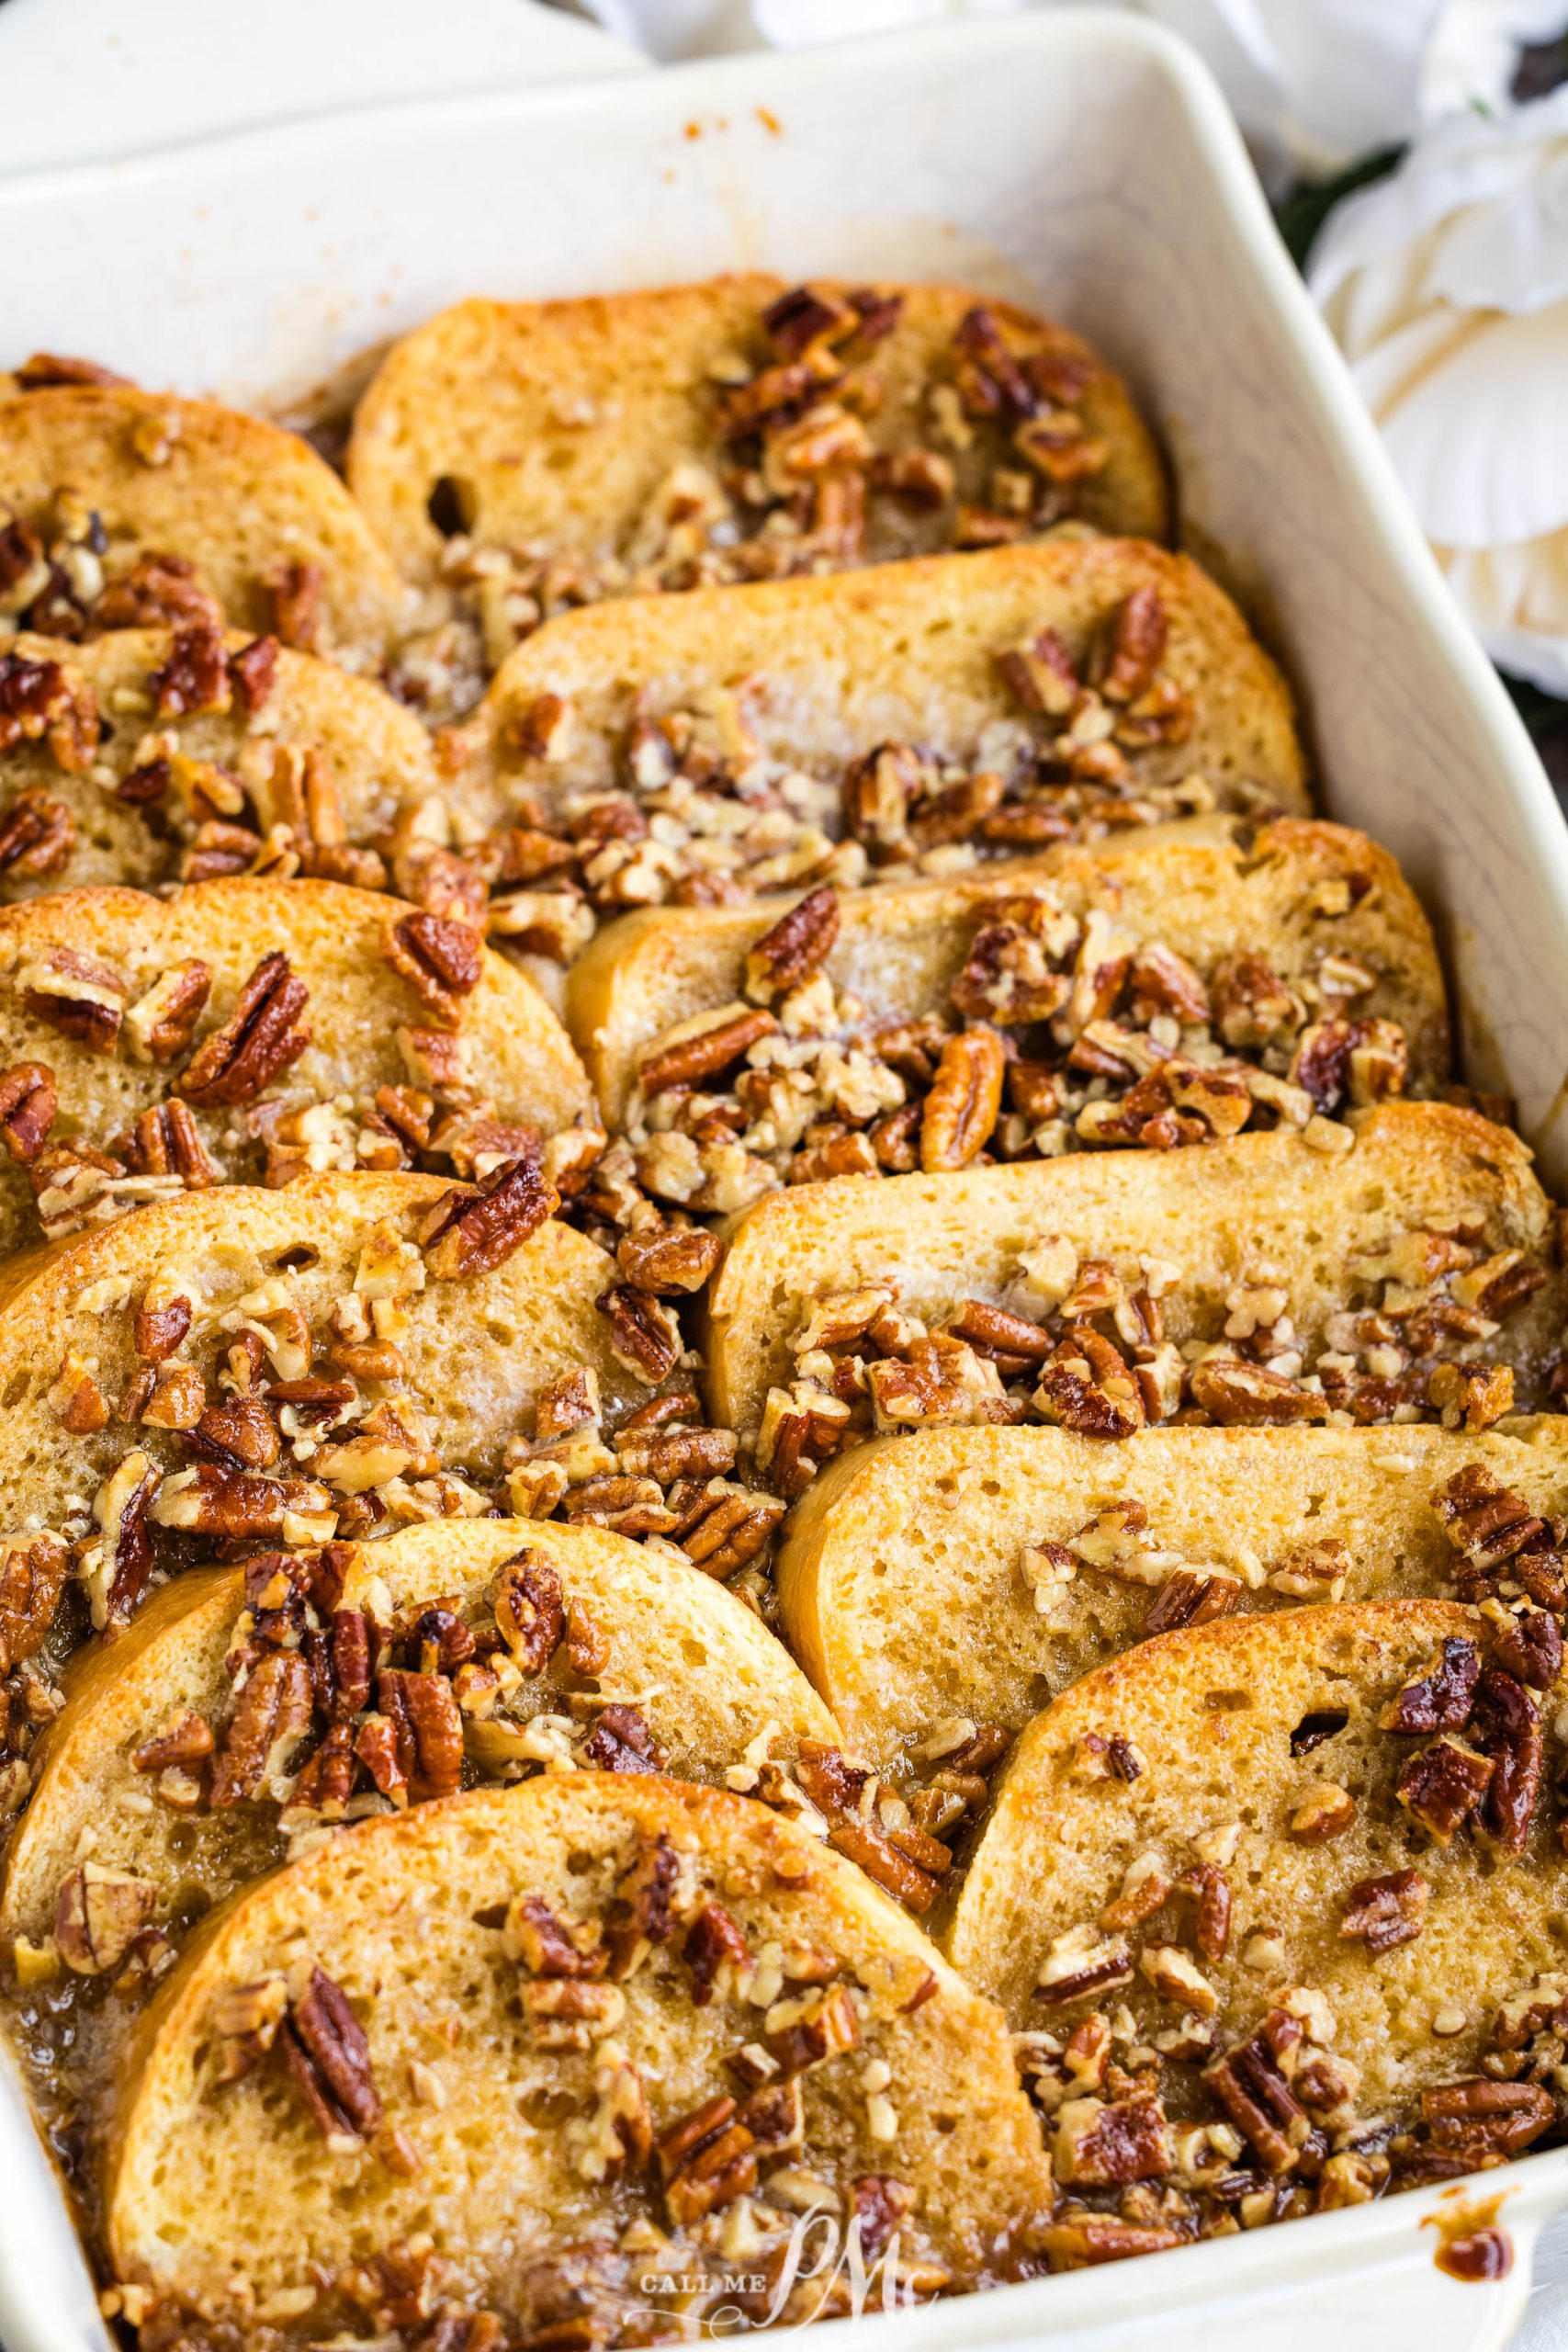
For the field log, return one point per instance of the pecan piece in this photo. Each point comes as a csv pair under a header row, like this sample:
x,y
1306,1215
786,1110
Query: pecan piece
x,y
1104,2145
712,1940
1250,2085
116,1569
38,833
1383,1912
70,994
964,1099
645,1335
270,1720
470,1232
1137,646
212,1498
530,1611
1442,1785
1190,1599
161,1024
252,673
196,675
796,946
165,1141
185,1740
428,1730
32,1577
1506,1723
99,1915
666,1260
700,1048
441,960
1249,1395
257,1042
1087,1385
1477,2118
1439,1700
325,2050
621,1741
707,2159
28,1101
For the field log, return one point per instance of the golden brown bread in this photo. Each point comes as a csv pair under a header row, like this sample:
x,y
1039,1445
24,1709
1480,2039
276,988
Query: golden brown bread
x,y
1180,1278
757,688
314,766
97,479
558,425
164,1033
1378,1852
655,1648
427,1928
281,1367
974,1573
1309,900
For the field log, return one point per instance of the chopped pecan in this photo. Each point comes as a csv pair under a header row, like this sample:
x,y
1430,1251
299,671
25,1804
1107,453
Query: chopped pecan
x,y
240,1430
965,1097
1251,1005
621,1741
28,1101
252,673
1324,1813
643,1910
1531,1649
1087,1385
1383,1912
70,994
546,1945
1441,1699
472,1232
165,1141
1442,1785
795,947
427,1728
297,588
212,1498
32,1577
713,1941
99,1915
1208,1890
271,1718
117,1568
1104,2145
666,1260
325,2049
1493,1528
1191,1598
826,2026
645,1335
1250,2085
257,1042
1480,2119
1137,646
196,675
441,960
161,1024
186,1739
1505,1724
38,833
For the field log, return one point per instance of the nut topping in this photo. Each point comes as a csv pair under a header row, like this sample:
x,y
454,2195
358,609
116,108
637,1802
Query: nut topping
x,y
472,1232
442,961
257,1042
1383,1912
326,2053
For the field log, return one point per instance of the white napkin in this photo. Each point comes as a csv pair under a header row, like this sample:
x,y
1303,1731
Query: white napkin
x,y
1447,287
1314,82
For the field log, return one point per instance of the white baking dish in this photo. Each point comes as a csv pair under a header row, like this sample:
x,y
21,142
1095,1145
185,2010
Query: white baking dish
x,y
1083,160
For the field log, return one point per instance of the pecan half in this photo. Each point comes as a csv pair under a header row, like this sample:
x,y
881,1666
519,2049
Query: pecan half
x,y
161,1024
1383,1912
70,994
28,1101
257,1042
32,1577
1087,1385
428,1730
1441,1699
270,1720
666,1261
441,960
530,1611
165,1141
325,2050
712,1940
38,833
98,1914
645,1337
252,673
472,1232
1479,2119
1250,2083
965,1097
1442,1785
698,1049
796,946
196,675
1250,1396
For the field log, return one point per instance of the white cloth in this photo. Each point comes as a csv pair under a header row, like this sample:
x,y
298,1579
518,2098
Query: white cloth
x,y
1447,287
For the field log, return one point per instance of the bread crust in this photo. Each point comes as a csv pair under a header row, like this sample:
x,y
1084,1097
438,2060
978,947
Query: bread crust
x,y
231,493
833,667
377,755
518,1058
1208,889
900,1579
587,404
1211,1712
1215,1214
356,1906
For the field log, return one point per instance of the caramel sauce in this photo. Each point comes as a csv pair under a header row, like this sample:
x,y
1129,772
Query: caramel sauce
x,y
1472,2247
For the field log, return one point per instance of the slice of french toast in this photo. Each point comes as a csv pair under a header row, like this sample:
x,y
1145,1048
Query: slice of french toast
x,y
125,509
731,431
965,1576
1398,1266
258,1368
250,1031
256,1706
1302,1873
1175,986
119,765
617,2031
878,726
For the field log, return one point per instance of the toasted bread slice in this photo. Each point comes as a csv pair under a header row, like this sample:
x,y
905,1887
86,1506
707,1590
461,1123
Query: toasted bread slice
x,y
1309,900
429,1942
591,430
281,1366
167,1033
1166,1271
1405,1886
661,1651
881,724
973,1573
97,481
313,767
